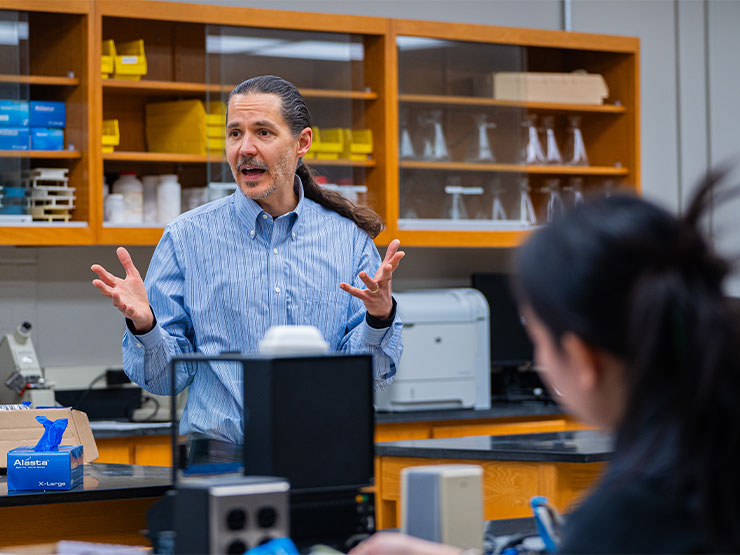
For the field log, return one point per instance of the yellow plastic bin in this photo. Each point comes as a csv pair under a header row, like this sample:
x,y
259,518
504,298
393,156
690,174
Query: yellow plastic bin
x,y
330,143
107,58
176,127
111,136
216,115
130,62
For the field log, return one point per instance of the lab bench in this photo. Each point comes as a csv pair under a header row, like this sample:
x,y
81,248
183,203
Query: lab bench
x,y
149,445
109,507
561,466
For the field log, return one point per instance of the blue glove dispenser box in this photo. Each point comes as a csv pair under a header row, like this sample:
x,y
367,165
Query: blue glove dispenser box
x,y
45,470
14,113
14,138
47,138
47,113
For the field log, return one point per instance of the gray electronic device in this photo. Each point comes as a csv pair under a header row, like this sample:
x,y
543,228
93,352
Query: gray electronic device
x,y
230,513
443,503
21,377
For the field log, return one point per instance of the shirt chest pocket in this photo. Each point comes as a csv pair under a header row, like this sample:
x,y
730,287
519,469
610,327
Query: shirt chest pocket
x,y
328,311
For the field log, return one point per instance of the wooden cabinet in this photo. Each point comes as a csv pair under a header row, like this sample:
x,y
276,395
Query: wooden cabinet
x,y
387,76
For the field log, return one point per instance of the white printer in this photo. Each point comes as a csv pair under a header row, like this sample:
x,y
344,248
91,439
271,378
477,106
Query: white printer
x,y
446,362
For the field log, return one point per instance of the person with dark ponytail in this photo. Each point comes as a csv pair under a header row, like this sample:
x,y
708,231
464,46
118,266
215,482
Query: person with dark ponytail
x,y
279,251
632,334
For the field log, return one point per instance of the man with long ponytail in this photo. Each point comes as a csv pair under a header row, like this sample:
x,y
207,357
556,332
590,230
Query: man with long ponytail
x,y
279,251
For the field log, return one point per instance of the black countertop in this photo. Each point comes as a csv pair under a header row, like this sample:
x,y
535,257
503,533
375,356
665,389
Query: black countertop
x,y
583,446
497,410
101,481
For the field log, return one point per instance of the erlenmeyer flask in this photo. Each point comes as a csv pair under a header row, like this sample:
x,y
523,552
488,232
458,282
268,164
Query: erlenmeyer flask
x,y
481,148
409,199
555,206
573,192
497,208
575,149
435,146
552,152
526,209
531,151
457,209
406,147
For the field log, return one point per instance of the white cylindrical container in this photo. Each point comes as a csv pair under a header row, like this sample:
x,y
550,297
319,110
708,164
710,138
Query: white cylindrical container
x,y
193,197
168,198
114,209
133,197
150,183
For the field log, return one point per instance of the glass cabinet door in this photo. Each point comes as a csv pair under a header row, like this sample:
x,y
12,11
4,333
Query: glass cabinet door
x,y
329,70
453,140
485,144
44,157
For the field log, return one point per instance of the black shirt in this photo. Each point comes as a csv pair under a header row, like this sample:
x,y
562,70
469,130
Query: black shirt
x,y
632,516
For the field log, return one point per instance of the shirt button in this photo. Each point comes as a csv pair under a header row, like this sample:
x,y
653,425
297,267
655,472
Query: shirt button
x,y
264,216
293,235
251,232
277,289
274,251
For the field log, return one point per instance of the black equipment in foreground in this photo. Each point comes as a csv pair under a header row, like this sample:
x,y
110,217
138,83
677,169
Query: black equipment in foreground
x,y
311,419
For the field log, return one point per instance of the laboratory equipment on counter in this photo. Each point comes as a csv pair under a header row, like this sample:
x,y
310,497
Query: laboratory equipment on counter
x,y
230,514
446,362
21,377
443,503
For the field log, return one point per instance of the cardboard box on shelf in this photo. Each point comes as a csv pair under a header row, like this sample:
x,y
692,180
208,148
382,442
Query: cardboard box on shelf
x,y
567,88
19,428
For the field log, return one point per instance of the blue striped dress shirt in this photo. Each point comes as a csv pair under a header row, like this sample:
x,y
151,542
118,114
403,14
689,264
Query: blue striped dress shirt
x,y
224,273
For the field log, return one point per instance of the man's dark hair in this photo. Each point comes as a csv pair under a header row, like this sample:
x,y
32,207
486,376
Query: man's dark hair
x,y
296,115
645,286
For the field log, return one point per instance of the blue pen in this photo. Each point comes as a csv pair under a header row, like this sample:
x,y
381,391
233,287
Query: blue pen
x,y
548,522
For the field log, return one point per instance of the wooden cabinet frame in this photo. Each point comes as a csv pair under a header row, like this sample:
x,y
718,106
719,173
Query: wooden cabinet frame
x,y
380,105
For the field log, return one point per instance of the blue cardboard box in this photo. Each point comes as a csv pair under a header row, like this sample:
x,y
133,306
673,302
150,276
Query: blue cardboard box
x,y
46,113
14,113
45,470
14,138
47,138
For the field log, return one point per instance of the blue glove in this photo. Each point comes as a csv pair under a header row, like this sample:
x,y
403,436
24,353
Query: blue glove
x,y
53,432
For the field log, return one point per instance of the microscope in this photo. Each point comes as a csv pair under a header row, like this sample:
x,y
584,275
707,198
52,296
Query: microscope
x,y
21,377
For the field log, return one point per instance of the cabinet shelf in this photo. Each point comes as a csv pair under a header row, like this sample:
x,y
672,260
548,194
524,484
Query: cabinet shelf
x,y
159,157
40,80
493,102
515,168
46,154
341,162
174,87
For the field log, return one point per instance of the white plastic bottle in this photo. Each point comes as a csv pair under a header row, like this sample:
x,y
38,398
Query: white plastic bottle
x,y
133,197
150,182
114,209
168,198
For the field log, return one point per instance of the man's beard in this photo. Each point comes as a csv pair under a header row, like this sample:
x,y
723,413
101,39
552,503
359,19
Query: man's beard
x,y
280,168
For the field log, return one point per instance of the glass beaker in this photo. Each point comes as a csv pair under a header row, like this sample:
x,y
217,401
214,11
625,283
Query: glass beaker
x,y
481,150
526,209
531,149
406,147
552,152
435,146
555,206
575,149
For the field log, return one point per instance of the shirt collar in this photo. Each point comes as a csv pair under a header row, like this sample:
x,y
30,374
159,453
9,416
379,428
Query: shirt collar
x,y
248,210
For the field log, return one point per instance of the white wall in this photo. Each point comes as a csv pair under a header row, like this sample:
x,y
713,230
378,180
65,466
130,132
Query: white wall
x,y
690,117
